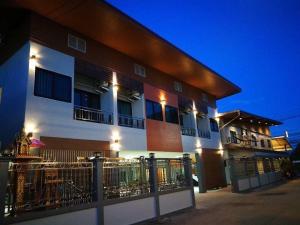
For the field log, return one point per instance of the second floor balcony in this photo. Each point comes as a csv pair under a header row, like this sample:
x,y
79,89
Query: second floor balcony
x,y
129,121
93,115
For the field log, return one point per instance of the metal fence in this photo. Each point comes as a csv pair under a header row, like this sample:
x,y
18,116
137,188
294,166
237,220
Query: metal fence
x,y
125,178
170,174
36,186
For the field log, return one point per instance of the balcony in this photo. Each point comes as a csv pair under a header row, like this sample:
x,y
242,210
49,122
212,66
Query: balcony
x,y
188,131
129,121
204,133
93,115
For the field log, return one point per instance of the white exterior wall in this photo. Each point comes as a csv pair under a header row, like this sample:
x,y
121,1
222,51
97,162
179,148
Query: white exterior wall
x,y
175,201
48,117
87,216
130,212
190,143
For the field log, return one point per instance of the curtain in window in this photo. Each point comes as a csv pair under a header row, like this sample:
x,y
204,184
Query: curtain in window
x,y
124,108
43,83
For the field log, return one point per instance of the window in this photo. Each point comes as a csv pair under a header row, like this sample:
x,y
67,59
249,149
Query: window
x,y
139,70
269,143
254,140
154,110
52,85
233,137
214,125
86,99
76,43
171,114
262,143
124,108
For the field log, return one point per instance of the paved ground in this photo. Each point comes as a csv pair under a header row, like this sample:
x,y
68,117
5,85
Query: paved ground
x,y
277,205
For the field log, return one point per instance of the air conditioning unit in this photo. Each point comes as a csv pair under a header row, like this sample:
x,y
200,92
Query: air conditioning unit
x,y
102,87
135,96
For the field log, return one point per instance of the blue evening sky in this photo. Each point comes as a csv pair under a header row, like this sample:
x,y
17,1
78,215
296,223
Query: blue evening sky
x,y
253,43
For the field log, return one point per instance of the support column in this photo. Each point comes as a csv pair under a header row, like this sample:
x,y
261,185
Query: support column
x,y
187,163
233,178
98,188
153,182
200,173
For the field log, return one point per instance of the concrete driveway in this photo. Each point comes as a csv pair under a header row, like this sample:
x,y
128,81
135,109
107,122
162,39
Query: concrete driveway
x,y
276,205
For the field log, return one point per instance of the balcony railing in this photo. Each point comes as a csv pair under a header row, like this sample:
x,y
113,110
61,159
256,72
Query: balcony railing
x,y
188,131
129,121
204,133
92,115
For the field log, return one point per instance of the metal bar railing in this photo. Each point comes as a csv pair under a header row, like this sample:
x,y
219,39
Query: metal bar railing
x,y
92,115
125,178
129,121
204,133
188,131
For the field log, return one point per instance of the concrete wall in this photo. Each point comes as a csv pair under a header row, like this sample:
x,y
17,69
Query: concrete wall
x,y
248,183
129,212
175,201
87,216
47,117
13,80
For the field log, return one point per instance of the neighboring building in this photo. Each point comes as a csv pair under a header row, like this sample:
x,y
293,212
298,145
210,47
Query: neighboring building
x,y
86,78
247,136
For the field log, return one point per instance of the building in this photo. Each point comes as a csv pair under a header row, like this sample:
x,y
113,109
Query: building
x,y
83,77
248,136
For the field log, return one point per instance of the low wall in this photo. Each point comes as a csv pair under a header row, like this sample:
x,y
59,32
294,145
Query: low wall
x,y
176,201
129,212
248,183
86,216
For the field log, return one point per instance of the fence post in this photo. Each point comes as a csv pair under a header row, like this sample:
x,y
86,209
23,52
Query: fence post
x,y
200,173
233,177
4,165
153,182
187,163
98,188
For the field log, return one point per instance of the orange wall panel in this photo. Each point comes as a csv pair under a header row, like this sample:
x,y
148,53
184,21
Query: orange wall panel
x,y
162,136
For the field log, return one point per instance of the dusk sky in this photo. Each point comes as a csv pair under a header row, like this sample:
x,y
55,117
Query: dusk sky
x,y
253,43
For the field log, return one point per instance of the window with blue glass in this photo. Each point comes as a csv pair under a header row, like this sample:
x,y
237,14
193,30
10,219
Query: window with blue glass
x,y
171,114
213,125
154,110
86,99
124,108
52,85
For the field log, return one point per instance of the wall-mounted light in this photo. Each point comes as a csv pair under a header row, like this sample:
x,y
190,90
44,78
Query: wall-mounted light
x,y
221,152
115,143
163,101
32,61
30,127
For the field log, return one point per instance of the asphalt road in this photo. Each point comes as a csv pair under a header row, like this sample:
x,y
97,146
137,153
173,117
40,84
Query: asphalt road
x,y
273,205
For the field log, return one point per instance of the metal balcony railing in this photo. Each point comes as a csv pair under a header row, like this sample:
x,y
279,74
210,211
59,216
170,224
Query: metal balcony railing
x,y
129,121
188,131
92,115
204,133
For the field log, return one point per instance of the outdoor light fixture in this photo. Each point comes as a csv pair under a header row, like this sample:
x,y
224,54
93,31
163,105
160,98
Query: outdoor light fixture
x,y
241,118
163,101
32,61
115,145
251,121
221,152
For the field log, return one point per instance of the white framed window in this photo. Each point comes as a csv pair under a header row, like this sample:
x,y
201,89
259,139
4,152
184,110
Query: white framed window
x,y
76,43
139,70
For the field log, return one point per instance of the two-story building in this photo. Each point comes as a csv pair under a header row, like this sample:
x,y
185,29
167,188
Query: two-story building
x,y
247,136
83,77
